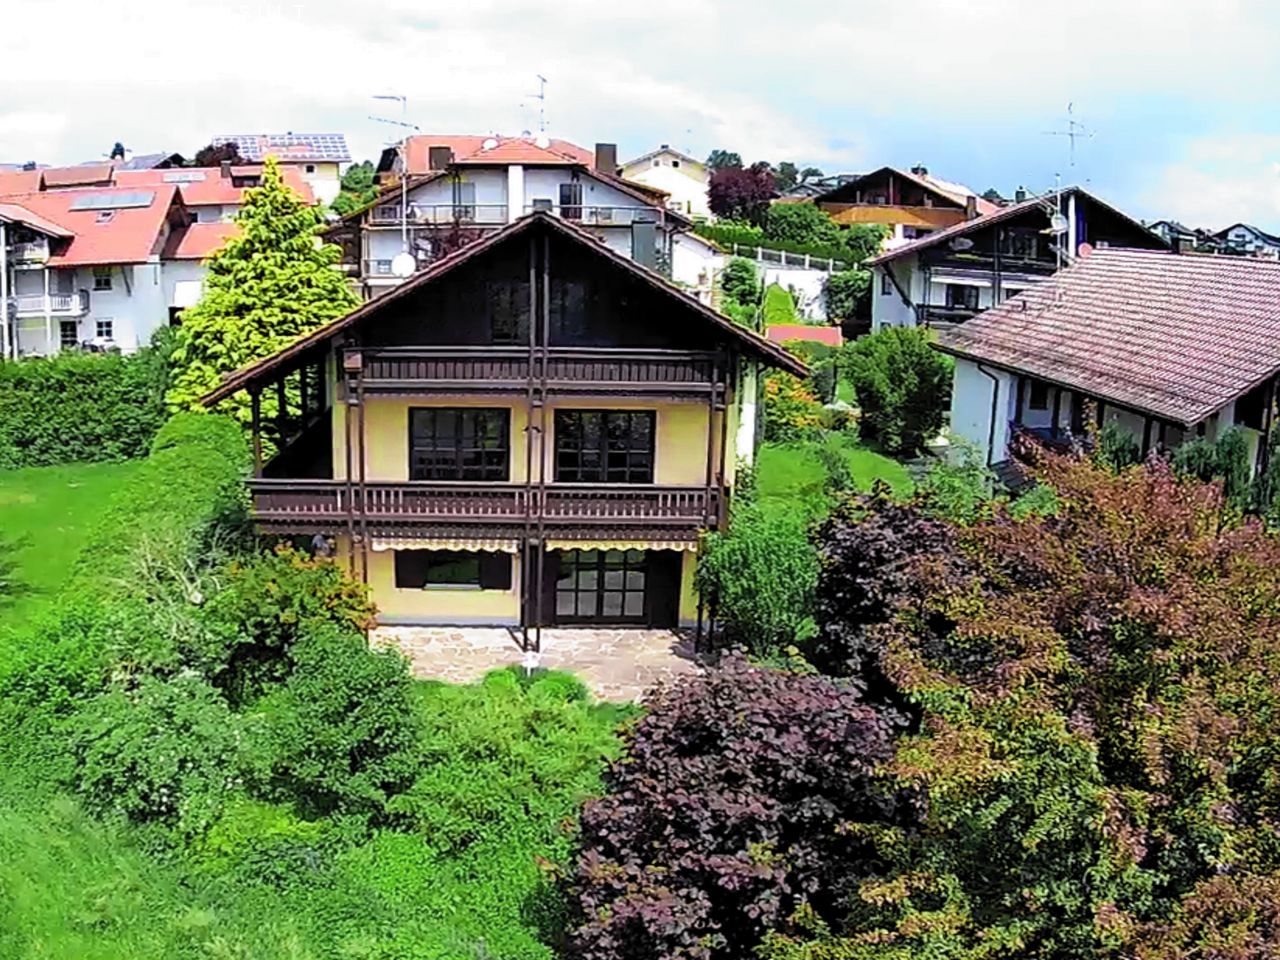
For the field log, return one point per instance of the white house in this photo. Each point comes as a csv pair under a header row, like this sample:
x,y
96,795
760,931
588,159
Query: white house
x,y
1168,346
318,157
446,191
1246,238
950,275
677,174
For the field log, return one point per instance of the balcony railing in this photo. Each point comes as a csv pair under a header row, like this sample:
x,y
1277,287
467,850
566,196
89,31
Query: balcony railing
x,y
32,251
284,501
56,304
478,214
601,216
947,315
580,369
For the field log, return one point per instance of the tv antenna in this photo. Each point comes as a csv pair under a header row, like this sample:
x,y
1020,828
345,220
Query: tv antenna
x,y
403,263
541,97
1075,130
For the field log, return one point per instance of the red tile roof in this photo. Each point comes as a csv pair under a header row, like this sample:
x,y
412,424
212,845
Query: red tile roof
x,y
85,174
132,235
214,189
19,181
1176,336
198,241
472,150
16,213
782,332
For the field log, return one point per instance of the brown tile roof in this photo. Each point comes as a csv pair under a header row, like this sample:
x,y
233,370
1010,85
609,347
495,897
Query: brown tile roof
x,y
1176,336
198,240
132,235
763,349
86,174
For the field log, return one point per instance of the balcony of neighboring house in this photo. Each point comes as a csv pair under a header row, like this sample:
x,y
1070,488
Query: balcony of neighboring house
x,y
74,304
597,215
943,317
440,214
29,253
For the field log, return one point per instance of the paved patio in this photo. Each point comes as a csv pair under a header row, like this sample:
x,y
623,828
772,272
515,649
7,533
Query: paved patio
x,y
615,663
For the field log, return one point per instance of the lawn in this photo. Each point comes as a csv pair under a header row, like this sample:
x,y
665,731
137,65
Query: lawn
x,y
44,513
794,473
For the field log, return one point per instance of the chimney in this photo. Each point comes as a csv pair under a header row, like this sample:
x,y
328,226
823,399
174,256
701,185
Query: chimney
x,y
225,168
607,158
1020,195
644,242
920,170
29,166
971,207
439,157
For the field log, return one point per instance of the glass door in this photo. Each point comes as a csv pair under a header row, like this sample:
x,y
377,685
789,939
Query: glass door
x,y
602,586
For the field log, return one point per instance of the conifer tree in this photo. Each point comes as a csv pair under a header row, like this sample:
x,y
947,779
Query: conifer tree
x,y
265,288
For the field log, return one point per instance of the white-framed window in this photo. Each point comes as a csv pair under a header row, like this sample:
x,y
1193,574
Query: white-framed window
x,y
102,278
104,328
886,285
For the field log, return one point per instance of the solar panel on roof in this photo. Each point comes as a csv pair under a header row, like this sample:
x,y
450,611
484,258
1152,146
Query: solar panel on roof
x,y
113,201
184,176
312,146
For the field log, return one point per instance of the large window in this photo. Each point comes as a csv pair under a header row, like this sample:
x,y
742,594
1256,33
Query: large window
x,y
571,200
961,296
459,443
604,446
604,585
508,303
452,569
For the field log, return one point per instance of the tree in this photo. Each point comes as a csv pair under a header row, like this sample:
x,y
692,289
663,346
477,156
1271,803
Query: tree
x,y
785,176
844,294
864,240
902,385
739,194
719,159
358,189
216,154
264,288
800,223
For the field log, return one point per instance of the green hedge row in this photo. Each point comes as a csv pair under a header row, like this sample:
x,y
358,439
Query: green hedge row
x,y
80,407
727,234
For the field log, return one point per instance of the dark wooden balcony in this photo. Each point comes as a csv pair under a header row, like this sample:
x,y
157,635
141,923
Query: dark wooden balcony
x,y
507,369
283,503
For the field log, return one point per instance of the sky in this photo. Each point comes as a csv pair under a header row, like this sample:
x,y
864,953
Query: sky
x,y
1179,101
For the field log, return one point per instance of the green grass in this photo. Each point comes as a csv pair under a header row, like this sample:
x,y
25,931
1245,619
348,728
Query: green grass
x,y
788,474
44,515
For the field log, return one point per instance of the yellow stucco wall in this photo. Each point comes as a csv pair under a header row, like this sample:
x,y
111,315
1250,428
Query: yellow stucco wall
x,y
688,595
680,450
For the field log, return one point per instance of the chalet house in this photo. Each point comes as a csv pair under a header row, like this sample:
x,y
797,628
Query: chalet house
x,y
1168,346
317,157
952,274
534,429
1244,238
458,189
910,203
683,178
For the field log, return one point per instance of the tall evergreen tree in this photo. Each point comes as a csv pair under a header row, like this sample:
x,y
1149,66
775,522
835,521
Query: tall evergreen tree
x,y
265,288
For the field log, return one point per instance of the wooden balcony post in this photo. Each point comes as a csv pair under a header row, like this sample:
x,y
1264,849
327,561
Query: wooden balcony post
x,y
255,406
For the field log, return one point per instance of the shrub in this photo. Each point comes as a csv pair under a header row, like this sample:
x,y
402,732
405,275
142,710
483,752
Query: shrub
x,y
845,294
341,732
1226,459
791,412
903,387
739,282
80,407
800,223
779,306
960,489
1117,448
758,577
166,751
744,793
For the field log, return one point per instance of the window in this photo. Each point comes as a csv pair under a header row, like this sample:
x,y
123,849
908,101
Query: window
x,y
102,278
459,443
464,201
571,201
601,585
886,285
962,296
656,161
508,302
104,329
68,333
675,163
444,569
104,216
604,446
310,168
1020,243
1039,398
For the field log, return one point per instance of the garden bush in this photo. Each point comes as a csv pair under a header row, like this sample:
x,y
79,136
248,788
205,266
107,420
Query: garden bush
x,y
791,412
846,294
744,793
1225,459
81,407
853,245
758,578
800,223
739,281
1117,448
902,385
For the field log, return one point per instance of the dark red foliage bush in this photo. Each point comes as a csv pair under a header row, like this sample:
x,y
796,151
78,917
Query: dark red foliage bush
x,y
738,800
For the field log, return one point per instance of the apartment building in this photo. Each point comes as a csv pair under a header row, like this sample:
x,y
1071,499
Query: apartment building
x,y
318,158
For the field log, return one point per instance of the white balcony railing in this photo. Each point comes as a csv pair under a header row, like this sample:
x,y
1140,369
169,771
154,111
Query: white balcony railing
x,y
56,305
32,251
482,214
602,216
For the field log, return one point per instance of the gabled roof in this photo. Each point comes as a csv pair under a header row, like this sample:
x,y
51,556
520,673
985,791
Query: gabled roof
x,y
752,342
472,149
20,181
1175,336
151,161
663,149
16,213
1268,237
999,215
132,234
198,241
289,147
953,192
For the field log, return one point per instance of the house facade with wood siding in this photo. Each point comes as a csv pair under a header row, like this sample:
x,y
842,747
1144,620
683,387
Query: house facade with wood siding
x,y
534,430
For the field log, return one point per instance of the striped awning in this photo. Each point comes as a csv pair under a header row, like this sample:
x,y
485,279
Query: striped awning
x,y
690,545
462,544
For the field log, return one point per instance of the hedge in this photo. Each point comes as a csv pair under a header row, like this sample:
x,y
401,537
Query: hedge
x,y
80,407
727,234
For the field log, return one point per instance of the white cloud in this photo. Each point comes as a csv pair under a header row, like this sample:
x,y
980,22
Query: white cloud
x,y
1221,180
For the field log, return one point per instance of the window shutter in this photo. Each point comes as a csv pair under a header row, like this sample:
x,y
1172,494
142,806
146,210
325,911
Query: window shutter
x,y
495,571
411,568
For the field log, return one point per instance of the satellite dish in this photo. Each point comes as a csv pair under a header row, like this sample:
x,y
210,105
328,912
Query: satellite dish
x,y
542,140
403,265
1085,249
961,243
1057,224
489,143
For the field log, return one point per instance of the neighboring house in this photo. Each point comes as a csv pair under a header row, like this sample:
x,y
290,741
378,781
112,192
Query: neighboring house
x,y
1244,238
1168,346
460,189
952,274
215,194
151,161
911,203
533,430
318,157
679,175
810,189
1176,235
84,267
